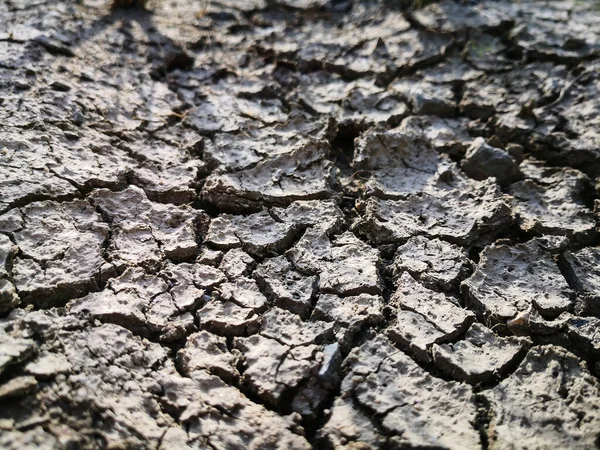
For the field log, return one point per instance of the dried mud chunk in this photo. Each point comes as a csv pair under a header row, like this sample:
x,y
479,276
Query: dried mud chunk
x,y
512,95
17,387
114,350
435,263
398,165
205,351
61,251
164,317
487,52
48,365
24,174
142,315
228,319
221,232
143,306
329,44
229,152
290,330
109,361
482,161
584,333
191,279
568,132
236,263
369,104
156,102
479,101
425,317
309,253
171,184
261,235
462,218
264,358
14,350
290,289
135,245
7,252
513,127
218,416
232,152
510,279
551,401
89,161
323,214
8,296
409,49
385,393
304,174
285,355
412,332
49,165
480,357
322,92
137,281
584,273
244,292
346,266
209,257
353,269
450,17
173,226
427,98
349,314
444,135
556,41
314,46
454,69
348,427
553,205
530,322
35,438
436,307
226,113
11,221
167,172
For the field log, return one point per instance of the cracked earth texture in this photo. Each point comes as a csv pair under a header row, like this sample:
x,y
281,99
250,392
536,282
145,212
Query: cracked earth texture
x,y
277,224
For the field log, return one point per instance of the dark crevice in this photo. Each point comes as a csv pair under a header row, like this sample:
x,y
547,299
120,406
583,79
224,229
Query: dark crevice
x,y
342,148
483,420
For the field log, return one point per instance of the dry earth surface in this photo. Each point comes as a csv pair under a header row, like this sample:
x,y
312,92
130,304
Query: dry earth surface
x,y
299,224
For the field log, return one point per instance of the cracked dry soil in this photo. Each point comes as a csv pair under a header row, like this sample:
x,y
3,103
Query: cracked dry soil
x,y
300,224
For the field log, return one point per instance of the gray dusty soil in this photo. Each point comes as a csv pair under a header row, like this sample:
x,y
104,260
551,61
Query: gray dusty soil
x,y
277,224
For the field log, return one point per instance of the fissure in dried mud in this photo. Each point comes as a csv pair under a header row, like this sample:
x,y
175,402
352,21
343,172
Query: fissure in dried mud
x,y
329,224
